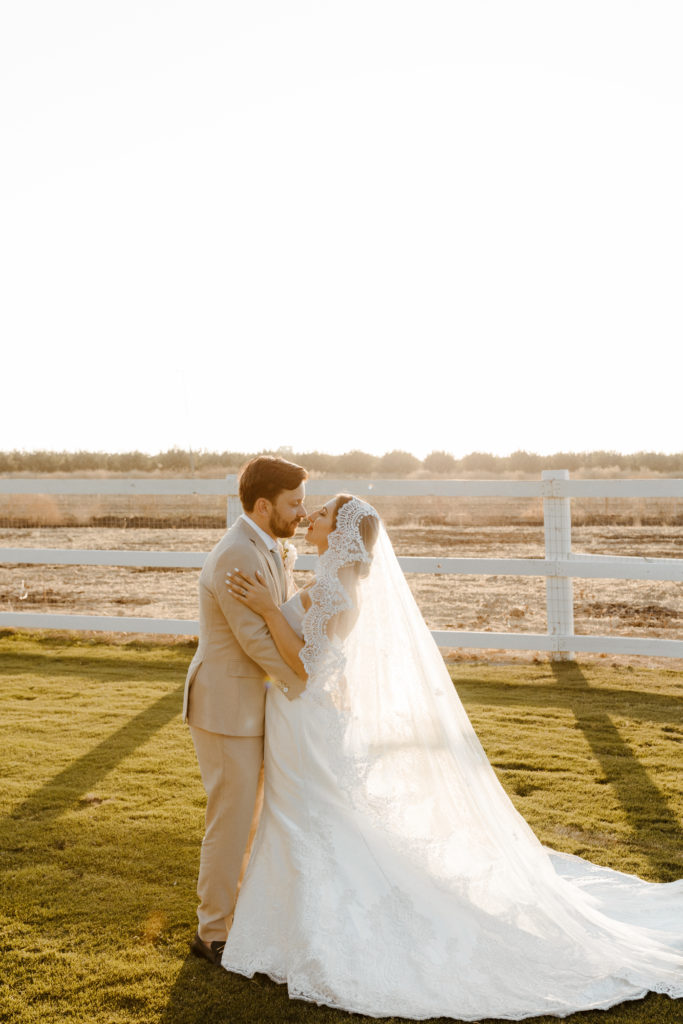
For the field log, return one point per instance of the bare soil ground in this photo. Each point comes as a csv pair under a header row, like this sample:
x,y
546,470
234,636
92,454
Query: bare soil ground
x,y
487,603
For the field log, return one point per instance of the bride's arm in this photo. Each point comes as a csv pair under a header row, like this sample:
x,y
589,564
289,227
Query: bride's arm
x,y
255,595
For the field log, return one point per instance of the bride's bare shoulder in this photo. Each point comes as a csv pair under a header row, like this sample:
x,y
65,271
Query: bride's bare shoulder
x,y
305,598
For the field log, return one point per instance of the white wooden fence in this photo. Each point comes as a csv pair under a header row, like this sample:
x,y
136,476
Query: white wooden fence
x,y
560,566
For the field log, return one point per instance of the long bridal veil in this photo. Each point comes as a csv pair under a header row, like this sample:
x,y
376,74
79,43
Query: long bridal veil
x,y
386,722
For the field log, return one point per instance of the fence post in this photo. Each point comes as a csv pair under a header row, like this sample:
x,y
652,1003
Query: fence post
x,y
557,525
234,509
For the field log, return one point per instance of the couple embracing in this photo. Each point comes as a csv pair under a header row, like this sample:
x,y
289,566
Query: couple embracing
x,y
390,875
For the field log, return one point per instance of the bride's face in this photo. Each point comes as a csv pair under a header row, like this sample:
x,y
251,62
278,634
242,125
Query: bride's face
x,y
321,525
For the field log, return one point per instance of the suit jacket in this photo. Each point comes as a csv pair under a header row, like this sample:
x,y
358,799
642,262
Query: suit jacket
x,y
225,688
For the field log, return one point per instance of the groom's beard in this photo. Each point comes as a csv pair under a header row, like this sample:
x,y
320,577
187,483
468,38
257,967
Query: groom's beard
x,y
280,527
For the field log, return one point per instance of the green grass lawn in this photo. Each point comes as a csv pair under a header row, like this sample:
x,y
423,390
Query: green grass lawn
x,y
102,813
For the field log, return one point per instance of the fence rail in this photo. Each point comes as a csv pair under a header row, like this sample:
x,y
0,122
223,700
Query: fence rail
x,y
579,567
559,566
551,486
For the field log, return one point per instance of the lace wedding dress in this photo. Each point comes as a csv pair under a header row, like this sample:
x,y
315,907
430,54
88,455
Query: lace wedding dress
x,y
391,875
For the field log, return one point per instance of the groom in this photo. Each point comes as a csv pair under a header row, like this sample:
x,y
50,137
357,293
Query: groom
x,y
226,682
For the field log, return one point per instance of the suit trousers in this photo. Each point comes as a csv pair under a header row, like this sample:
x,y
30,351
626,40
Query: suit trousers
x,y
232,774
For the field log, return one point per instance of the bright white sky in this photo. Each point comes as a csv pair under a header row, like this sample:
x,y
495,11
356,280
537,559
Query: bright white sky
x,y
374,224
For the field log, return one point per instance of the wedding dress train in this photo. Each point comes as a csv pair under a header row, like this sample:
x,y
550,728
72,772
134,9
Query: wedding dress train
x,y
391,875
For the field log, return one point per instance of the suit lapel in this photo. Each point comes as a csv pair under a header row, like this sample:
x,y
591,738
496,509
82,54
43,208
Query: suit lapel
x,y
254,538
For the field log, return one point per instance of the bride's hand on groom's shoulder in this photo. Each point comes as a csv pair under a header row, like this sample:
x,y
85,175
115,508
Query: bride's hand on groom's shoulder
x,y
250,591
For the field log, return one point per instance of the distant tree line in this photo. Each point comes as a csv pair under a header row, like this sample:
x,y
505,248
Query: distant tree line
x,y
354,463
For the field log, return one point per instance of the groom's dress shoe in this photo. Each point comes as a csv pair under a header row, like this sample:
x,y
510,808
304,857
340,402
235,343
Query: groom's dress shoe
x,y
213,952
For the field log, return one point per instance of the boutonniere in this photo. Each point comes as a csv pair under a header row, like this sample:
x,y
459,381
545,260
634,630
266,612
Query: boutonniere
x,y
288,554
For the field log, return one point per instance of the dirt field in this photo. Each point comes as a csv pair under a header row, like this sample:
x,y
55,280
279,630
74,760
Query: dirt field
x,y
489,603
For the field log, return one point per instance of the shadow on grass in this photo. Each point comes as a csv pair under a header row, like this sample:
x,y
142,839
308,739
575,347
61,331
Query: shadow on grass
x,y
652,707
203,993
656,830
61,666
82,775
644,804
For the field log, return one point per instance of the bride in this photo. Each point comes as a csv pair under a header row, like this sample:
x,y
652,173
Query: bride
x,y
391,875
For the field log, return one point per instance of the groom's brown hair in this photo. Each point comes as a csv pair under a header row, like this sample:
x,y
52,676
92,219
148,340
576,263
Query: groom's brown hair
x,y
267,476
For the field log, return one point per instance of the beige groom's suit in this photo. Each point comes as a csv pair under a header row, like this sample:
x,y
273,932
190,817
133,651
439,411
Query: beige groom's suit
x,y
224,703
